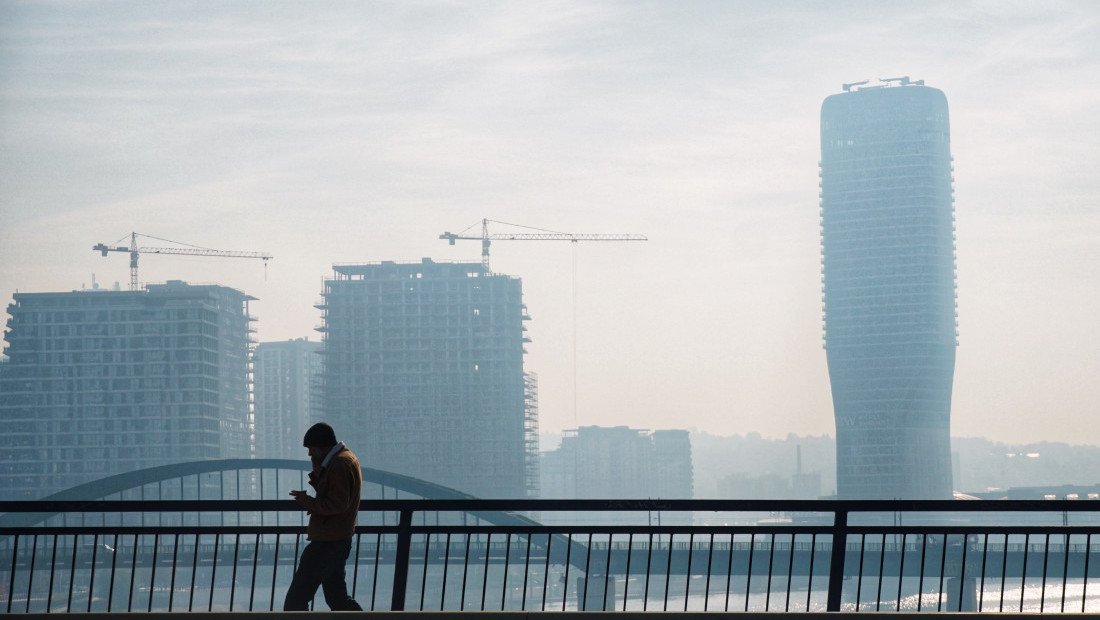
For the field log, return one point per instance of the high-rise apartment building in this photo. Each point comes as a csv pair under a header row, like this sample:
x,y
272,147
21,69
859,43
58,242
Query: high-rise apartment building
x,y
105,382
286,382
888,256
423,373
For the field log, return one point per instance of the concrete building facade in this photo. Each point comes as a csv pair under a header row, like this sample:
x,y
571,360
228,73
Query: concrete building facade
x,y
105,382
888,258
423,373
286,383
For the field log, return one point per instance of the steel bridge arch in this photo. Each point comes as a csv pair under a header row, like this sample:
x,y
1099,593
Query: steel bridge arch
x,y
118,483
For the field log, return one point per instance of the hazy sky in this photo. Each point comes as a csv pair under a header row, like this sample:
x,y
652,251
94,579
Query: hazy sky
x,y
329,132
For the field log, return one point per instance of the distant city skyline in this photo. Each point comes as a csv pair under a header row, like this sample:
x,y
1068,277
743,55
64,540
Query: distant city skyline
x,y
351,133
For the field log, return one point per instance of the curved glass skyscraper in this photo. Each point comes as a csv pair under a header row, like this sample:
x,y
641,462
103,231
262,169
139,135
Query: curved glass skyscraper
x,y
888,257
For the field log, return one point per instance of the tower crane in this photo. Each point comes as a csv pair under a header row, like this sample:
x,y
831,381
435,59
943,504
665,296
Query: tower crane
x,y
191,250
543,235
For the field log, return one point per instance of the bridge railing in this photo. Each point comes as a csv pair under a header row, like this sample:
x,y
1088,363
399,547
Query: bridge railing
x,y
563,555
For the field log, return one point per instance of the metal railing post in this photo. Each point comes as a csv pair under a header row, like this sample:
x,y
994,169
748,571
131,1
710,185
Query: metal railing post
x,y
401,560
836,560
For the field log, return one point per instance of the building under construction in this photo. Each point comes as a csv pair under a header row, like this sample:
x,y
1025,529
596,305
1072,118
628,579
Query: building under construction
x,y
105,382
423,374
287,376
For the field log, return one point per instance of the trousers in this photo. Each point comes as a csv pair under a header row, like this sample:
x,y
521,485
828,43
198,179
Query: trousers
x,y
322,564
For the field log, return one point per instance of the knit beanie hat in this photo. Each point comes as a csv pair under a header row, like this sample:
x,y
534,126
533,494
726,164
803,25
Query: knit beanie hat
x,y
320,435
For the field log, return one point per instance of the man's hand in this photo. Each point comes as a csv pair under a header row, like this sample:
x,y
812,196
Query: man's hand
x,y
299,496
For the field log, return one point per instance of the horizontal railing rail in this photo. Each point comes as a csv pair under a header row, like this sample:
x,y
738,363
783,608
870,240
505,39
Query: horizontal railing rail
x,y
563,555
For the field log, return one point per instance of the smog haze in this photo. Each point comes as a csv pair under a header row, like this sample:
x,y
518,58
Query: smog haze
x,y
341,132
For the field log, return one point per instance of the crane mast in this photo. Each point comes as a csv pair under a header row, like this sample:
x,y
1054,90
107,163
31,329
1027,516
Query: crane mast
x,y
134,251
487,238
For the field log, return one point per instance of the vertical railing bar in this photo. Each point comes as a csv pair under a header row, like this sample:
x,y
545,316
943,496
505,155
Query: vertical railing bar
x,y
153,568
881,573
255,563
920,580
1065,573
943,569
1046,560
1023,571
507,559
401,560
1004,575
91,576
485,570
583,606
15,564
626,573
648,565
72,576
790,576
172,574
962,569
114,560
836,559
446,564
729,575
214,571
133,570
985,557
275,556
859,571
526,570
111,585
53,571
687,570
30,577
236,550
546,573
424,573
1085,577
465,572
748,569
668,568
194,572
901,569
377,563
607,574
355,568
768,581
810,573
710,562
565,577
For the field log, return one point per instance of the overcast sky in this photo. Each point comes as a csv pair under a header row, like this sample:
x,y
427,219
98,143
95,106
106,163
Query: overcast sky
x,y
327,132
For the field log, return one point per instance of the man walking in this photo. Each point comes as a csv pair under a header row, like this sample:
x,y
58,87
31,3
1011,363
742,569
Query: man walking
x,y
338,481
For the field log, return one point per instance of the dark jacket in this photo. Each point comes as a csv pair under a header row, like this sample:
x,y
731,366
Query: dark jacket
x,y
332,512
